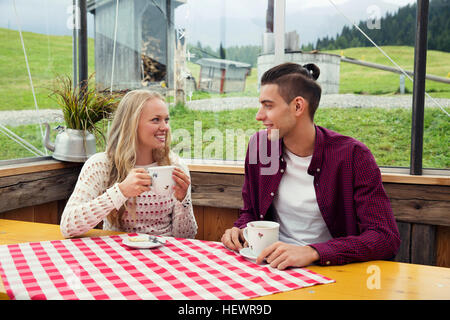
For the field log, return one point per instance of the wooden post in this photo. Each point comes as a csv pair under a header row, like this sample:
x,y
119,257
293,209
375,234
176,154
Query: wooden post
x,y
222,80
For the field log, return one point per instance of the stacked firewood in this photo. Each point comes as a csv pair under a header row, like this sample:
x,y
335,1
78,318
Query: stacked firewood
x,y
115,93
153,71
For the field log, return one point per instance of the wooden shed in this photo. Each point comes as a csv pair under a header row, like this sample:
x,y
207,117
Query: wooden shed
x,y
145,40
222,76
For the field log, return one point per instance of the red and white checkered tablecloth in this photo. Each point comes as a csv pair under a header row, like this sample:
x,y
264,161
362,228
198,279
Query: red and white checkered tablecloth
x,y
104,268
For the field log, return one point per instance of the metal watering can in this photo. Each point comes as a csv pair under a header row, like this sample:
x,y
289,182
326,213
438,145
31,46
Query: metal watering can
x,y
70,144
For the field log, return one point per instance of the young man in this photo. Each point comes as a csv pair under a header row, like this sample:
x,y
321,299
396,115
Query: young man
x,y
325,191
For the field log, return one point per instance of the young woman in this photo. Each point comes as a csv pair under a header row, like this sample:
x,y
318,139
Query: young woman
x,y
115,187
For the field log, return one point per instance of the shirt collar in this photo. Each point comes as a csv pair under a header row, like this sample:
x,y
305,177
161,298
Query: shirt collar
x,y
316,161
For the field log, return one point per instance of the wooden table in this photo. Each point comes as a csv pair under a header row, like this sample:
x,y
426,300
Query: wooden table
x,y
384,280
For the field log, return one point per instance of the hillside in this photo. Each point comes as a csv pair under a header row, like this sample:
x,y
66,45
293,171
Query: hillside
x,y
52,55
359,79
396,29
47,57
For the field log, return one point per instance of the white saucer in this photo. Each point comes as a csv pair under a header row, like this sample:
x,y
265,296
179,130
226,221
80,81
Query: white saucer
x,y
248,254
144,244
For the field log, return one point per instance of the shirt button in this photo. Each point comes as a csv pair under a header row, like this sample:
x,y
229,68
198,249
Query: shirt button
x,y
318,169
327,263
261,216
282,170
272,194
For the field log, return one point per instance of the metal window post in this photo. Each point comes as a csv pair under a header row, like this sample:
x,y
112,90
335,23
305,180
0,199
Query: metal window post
x,y
74,42
280,7
420,63
83,44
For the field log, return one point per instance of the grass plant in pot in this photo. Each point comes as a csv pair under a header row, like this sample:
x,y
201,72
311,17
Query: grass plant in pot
x,y
83,108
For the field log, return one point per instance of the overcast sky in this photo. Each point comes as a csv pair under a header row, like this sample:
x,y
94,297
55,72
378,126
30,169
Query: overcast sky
x,y
253,8
243,21
236,22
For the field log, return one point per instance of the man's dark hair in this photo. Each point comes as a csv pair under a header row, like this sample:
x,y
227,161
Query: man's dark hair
x,y
294,80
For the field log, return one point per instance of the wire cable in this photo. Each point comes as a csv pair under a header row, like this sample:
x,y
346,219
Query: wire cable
x,y
20,141
29,72
386,55
114,46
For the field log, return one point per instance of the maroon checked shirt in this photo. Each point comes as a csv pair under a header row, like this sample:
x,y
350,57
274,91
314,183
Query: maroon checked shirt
x,y
349,193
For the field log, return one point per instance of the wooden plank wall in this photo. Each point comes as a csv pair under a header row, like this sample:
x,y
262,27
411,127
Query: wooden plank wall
x,y
30,189
422,211
49,212
422,214
212,222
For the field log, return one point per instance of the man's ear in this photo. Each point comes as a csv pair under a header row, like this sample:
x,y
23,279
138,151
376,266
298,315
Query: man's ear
x,y
300,105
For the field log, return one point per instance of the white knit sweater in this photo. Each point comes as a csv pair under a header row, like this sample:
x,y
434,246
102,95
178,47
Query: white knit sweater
x,y
91,202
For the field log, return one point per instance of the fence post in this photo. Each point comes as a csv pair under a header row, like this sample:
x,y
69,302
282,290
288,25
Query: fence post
x,y
402,84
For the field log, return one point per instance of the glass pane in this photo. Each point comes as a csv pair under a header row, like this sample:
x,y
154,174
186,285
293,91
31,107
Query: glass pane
x,y
132,54
218,43
29,66
436,137
206,57
367,103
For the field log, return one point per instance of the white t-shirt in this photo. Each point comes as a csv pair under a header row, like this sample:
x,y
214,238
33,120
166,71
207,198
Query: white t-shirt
x,y
296,208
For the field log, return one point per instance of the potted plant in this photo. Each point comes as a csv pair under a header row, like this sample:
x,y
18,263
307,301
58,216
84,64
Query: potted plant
x,y
83,107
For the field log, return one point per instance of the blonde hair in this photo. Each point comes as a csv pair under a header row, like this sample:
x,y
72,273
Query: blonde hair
x,y
123,141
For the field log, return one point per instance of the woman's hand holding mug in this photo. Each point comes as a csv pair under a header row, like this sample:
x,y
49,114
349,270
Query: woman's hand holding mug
x,y
182,183
137,181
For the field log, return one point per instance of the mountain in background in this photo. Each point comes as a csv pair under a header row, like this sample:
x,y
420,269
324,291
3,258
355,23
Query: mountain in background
x,y
395,29
314,23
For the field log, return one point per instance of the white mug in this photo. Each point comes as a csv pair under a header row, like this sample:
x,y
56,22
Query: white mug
x,y
162,180
261,234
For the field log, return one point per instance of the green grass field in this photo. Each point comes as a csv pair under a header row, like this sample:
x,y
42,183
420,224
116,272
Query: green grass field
x,y
47,58
385,131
